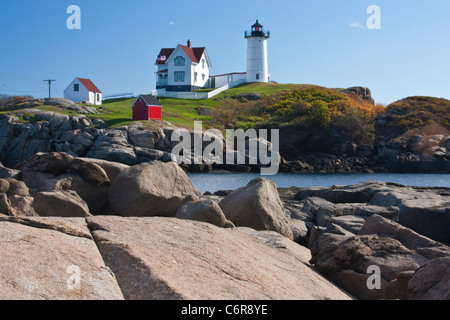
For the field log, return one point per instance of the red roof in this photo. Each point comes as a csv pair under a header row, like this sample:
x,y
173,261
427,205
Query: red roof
x,y
164,53
195,54
88,84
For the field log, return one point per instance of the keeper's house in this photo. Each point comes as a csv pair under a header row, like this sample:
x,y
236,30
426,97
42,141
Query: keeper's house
x,y
183,68
83,90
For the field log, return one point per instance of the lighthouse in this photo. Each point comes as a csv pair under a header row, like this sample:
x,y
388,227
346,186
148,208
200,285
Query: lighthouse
x,y
257,65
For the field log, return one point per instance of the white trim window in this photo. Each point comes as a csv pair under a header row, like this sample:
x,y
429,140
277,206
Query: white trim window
x,y
179,76
179,61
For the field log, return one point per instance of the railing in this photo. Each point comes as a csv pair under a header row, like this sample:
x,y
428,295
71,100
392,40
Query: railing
x,y
180,95
225,87
262,33
162,83
119,95
195,95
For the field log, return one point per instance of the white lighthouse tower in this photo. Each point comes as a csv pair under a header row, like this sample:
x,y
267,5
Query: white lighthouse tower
x,y
257,65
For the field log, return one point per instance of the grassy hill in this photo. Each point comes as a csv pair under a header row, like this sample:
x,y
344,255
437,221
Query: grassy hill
x,y
183,112
417,114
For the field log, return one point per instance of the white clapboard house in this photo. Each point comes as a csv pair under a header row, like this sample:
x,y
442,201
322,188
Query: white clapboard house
x,y
83,90
183,68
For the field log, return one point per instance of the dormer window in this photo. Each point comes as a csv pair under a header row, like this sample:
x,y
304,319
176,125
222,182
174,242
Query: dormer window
x,y
179,61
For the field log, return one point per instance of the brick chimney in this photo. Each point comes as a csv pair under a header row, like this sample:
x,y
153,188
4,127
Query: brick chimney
x,y
189,44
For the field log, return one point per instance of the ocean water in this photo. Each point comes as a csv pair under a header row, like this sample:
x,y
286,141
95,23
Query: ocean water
x,y
231,181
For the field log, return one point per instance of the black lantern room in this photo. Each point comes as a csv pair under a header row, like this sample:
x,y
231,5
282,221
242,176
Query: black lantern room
x,y
257,31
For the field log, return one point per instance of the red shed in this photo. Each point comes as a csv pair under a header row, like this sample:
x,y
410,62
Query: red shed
x,y
147,107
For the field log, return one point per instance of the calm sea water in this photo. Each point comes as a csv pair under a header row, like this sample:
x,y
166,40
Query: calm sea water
x,y
231,181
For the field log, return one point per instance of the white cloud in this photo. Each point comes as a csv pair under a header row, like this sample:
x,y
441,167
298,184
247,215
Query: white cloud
x,y
356,25
171,23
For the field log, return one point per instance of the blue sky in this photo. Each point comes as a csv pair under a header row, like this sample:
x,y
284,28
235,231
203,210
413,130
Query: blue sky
x,y
321,42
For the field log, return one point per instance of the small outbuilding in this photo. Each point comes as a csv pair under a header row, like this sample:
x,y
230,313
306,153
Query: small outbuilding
x,y
147,107
83,90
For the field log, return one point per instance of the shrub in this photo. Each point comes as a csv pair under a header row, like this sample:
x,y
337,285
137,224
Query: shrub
x,y
320,114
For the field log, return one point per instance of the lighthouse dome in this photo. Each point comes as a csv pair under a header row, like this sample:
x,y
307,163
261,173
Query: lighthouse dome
x,y
257,30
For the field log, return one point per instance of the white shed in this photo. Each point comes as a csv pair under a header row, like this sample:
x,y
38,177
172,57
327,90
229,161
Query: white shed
x,y
83,90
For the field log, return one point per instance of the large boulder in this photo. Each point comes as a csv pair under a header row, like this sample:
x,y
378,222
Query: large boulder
x,y
257,206
60,171
357,193
60,204
112,169
17,188
52,259
425,211
431,281
151,189
181,259
22,206
4,186
206,211
346,258
5,204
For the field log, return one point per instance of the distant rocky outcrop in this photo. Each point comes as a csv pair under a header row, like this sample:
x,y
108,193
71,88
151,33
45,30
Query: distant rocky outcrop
x,y
361,92
56,102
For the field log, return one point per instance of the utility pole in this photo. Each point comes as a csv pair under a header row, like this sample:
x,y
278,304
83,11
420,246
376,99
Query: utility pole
x,y
49,87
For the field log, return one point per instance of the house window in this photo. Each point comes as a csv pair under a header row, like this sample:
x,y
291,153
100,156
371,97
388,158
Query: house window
x,y
160,77
257,76
230,78
98,97
76,87
179,76
165,77
195,76
179,61
203,63
203,77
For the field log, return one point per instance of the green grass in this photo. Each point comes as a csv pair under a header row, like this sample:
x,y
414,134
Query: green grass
x,y
260,88
115,112
179,112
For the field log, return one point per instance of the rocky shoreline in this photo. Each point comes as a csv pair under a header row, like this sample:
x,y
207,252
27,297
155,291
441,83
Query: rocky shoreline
x,y
143,232
81,136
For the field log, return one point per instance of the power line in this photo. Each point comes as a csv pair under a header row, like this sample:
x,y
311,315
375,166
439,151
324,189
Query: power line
x,y
17,78
35,91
